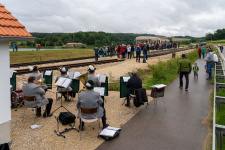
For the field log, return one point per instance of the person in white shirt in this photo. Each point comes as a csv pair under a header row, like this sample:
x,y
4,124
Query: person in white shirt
x,y
215,58
129,51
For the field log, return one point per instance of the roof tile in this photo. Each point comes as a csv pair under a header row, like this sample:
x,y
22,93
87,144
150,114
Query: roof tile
x,y
9,25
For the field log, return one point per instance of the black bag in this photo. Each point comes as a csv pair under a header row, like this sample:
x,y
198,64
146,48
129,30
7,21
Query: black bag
x,y
107,138
66,118
140,98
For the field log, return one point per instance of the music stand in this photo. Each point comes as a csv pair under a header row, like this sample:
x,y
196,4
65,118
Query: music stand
x,y
156,92
62,81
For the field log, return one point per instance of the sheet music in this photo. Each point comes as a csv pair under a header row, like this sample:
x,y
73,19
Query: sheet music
x,y
125,79
102,78
76,74
60,81
48,72
70,74
107,132
11,73
113,128
159,86
66,83
97,75
100,90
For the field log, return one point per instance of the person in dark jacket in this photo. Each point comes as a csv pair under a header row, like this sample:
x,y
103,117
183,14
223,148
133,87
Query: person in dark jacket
x,y
96,53
133,83
132,51
138,53
144,53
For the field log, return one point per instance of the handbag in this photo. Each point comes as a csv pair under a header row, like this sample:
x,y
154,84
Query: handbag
x,y
66,118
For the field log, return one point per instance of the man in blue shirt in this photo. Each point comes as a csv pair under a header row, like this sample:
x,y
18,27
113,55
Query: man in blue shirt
x,y
96,53
209,62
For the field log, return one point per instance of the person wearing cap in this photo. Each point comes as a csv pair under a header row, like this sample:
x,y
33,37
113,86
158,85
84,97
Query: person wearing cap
x,y
132,84
34,72
64,91
91,99
184,69
37,76
32,88
209,63
91,76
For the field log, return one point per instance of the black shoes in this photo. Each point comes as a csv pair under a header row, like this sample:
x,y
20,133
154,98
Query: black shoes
x,y
45,115
127,105
180,87
186,89
38,114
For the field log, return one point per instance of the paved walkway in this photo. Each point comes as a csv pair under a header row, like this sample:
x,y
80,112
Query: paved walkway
x,y
178,128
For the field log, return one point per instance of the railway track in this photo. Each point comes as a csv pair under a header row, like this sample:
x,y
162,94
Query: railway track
x,y
25,71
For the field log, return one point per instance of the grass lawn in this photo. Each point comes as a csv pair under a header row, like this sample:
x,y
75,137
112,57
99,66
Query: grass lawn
x,y
45,55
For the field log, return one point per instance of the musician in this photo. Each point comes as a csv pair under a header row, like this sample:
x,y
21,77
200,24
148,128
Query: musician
x,y
34,72
37,76
91,76
133,83
33,89
69,89
91,99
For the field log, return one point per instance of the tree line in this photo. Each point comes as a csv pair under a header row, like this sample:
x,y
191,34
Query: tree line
x,y
219,34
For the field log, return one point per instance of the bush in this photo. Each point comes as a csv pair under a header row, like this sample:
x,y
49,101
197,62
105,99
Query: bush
x,y
83,46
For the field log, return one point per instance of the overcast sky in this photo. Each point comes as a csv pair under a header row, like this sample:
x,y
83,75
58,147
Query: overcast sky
x,y
162,17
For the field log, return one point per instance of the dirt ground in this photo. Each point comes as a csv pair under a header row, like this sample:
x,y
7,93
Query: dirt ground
x,y
24,137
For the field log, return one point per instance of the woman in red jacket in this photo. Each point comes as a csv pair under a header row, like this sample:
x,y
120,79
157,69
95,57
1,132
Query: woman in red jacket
x,y
199,52
122,50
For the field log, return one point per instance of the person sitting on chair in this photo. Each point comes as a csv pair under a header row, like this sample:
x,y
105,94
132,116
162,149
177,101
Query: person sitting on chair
x,y
37,76
69,89
91,76
33,89
133,83
34,72
91,99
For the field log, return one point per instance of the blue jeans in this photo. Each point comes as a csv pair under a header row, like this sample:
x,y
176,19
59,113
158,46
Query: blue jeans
x,y
203,55
209,68
145,56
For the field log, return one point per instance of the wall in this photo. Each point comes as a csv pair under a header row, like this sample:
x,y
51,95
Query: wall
x,y
5,102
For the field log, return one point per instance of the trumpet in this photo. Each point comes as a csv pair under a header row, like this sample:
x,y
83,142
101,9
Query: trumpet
x,y
40,81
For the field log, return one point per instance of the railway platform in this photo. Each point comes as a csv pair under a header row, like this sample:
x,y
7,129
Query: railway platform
x,y
178,128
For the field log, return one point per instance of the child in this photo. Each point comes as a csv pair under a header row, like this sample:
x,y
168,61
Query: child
x,y
195,69
101,53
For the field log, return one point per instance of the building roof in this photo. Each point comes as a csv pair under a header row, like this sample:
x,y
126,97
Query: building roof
x,y
9,25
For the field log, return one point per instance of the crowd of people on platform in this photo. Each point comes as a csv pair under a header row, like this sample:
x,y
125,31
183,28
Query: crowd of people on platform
x,y
127,51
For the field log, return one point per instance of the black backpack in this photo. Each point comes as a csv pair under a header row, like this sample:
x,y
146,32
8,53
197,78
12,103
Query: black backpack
x,y
140,98
66,118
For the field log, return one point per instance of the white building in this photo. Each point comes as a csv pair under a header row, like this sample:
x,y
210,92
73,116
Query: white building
x,y
10,30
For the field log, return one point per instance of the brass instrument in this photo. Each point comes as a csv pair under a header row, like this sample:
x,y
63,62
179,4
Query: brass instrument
x,y
83,78
59,68
41,83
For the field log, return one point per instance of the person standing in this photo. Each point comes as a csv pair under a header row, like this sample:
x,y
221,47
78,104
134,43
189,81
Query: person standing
x,y
221,49
203,52
13,46
96,53
122,50
138,53
195,70
129,51
184,69
101,53
16,46
112,49
132,51
144,54
36,46
199,52
118,51
39,47
209,63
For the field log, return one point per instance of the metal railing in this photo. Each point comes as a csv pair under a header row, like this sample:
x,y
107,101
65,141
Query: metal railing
x,y
218,130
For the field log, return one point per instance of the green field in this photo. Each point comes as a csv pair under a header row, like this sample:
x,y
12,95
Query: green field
x,y
45,55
